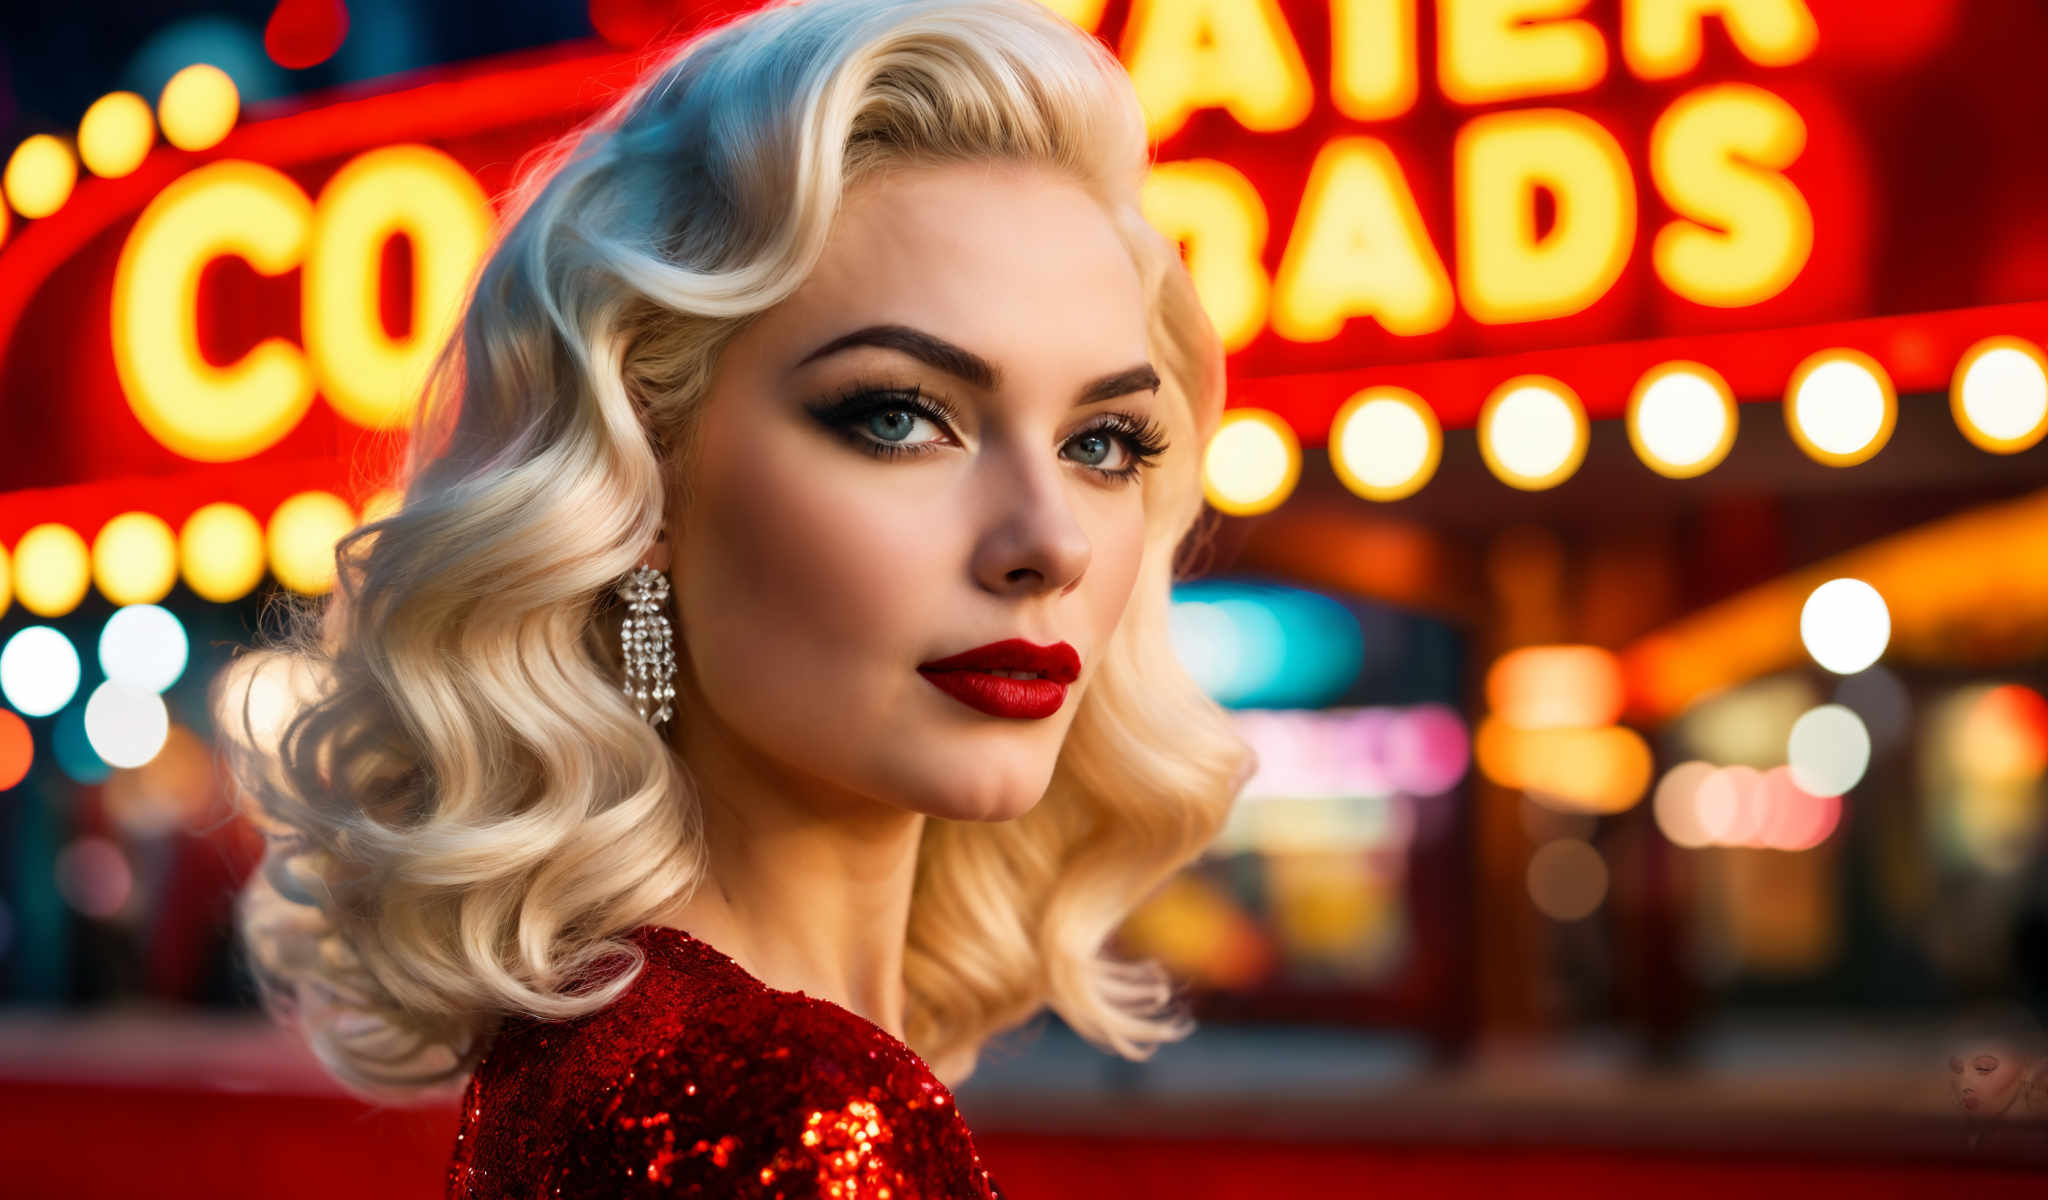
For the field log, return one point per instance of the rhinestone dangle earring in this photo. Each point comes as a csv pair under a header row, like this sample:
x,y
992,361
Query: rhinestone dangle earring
x,y
649,649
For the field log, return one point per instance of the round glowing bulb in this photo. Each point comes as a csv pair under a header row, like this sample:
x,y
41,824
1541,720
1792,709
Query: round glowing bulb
x,y
220,552
135,559
116,134
52,569
301,539
198,107
126,727
1567,879
1841,407
40,176
1845,625
1532,432
1385,443
1828,750
143,648
6,580
1252,463
38,670
2000,395
1681,419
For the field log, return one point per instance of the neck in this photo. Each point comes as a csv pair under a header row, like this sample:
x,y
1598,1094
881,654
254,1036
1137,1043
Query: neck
x,y
805,895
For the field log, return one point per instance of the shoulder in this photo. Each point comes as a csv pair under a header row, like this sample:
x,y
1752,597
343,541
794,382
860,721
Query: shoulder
x,y
700,1081
782,1098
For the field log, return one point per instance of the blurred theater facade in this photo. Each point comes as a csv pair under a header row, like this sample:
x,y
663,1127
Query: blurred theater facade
x,y
1630,551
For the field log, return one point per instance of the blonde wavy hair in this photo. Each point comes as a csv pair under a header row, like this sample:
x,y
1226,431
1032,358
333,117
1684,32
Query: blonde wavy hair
x,y
463,814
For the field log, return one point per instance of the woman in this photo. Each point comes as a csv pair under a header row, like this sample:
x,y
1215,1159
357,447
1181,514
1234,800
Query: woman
x,y
662,764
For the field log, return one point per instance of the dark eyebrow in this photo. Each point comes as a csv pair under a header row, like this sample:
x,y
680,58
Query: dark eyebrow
x,y
965,364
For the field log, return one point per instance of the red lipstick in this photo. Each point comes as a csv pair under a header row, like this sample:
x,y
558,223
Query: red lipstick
x,y
969,677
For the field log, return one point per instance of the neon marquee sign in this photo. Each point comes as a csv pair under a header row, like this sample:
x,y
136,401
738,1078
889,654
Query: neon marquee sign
x,y
1431,196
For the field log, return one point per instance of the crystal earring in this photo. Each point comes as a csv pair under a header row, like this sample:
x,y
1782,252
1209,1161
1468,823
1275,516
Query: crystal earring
x,y
647,645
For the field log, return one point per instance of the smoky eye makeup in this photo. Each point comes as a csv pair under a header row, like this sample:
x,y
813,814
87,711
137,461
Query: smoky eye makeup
x,y
879,418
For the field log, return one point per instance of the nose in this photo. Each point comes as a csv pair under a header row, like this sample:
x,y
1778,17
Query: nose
x,y
1034,541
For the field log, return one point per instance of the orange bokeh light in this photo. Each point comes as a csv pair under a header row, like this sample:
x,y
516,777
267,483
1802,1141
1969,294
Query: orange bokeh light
x,y
1556,687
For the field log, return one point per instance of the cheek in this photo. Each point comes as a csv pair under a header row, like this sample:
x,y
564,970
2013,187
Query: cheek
x,y
801,580
1119,547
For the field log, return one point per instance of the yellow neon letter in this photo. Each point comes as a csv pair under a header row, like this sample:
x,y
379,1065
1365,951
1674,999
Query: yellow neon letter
x,y
1233,54
1359,249
1506,271
1715,156
370,377
1490,50
1373,74
210,413
1085,13
1217,212
1661,39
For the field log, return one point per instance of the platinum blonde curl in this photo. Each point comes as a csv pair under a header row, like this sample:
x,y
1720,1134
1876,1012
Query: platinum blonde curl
x,y
463,814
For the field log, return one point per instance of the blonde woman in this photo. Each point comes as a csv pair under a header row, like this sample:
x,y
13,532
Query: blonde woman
x,y
763,695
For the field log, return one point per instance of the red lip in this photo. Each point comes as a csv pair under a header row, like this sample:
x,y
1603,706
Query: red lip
x,y
1059,662
966,677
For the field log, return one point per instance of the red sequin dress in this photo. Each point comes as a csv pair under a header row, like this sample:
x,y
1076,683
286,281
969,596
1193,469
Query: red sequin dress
x,y
702,1081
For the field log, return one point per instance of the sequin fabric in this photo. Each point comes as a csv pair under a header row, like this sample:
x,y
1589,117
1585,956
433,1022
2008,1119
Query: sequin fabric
x,y
702,1081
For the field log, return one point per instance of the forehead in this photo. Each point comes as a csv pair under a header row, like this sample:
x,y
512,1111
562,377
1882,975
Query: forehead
x,y
1013,261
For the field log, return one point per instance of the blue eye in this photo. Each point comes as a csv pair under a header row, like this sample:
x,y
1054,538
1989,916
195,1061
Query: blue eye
x,y
880,420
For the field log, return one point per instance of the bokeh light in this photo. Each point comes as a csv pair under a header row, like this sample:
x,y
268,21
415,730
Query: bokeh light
x,y
40,175
1681,419
198,107
1426,749
126,727
1829,750
1845,625
1252,463
1603,770
143,647
1730,805
301,539
1794,819
94,877
1676,804
1840,407
1555,687
52,569
17,750
220,552
135,559
1567,879
38,670
1999,395
1385,443
2003,736
1532,432
116,134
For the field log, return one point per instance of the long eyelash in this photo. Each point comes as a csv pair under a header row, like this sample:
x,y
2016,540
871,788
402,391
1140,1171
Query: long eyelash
x,y
1142,438
861,400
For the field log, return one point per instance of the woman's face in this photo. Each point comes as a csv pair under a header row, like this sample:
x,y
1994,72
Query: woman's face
x,y
1985,1077
932,445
